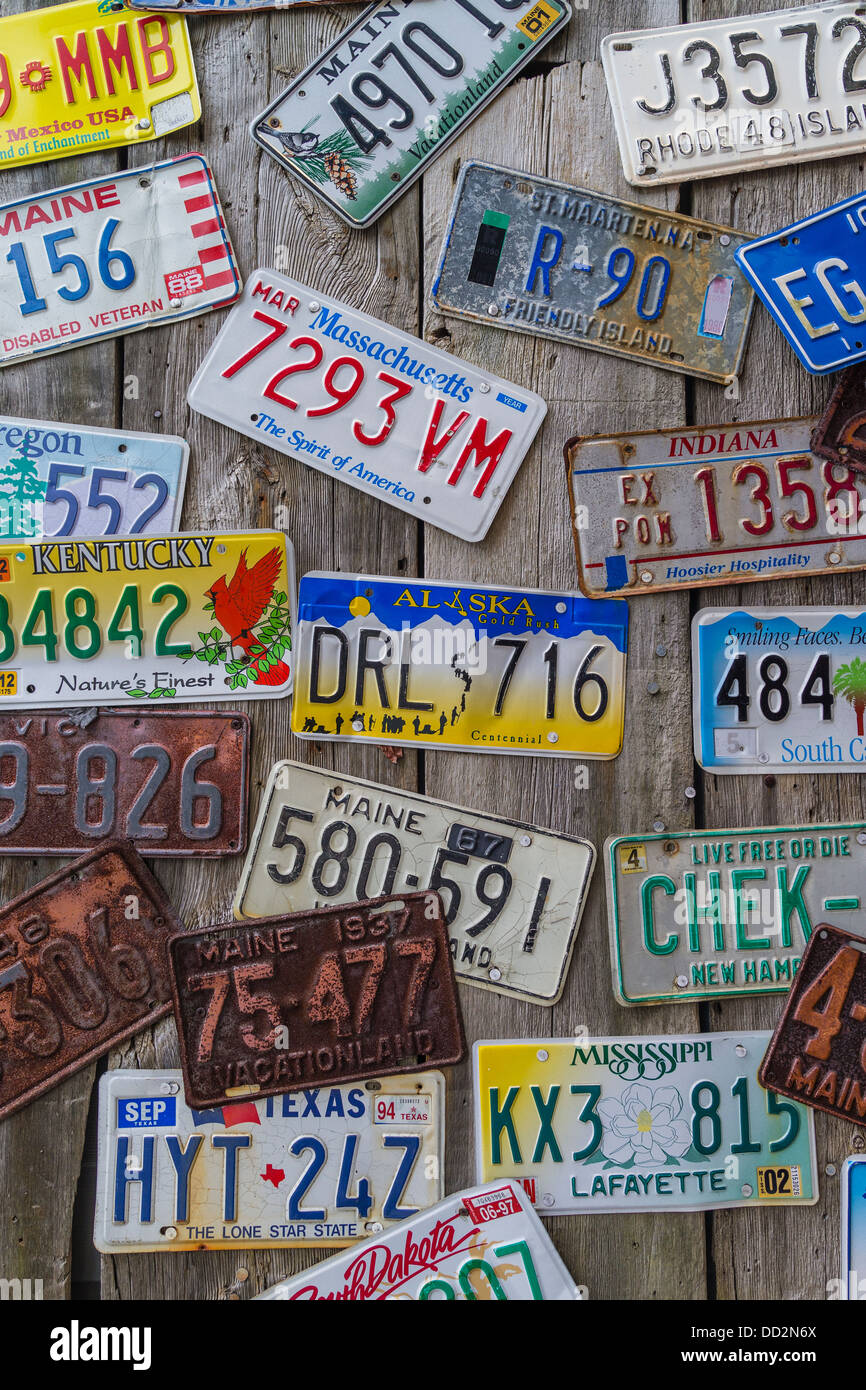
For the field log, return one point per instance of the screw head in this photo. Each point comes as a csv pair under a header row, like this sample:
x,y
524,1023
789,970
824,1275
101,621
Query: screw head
x,y
724,239
861,837
553,737
646,577
493,310
740,1050
483,387
830,1170
658,826
548,1200
525,840
763,757
143,124
690,793
175,303
494,973
661,649
542,1054
314,305
653,687
746,1189
358,725
834,557
171,1232
681,981
561,607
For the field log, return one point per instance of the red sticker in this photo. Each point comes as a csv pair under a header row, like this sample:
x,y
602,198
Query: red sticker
x,y
180,283
490,1206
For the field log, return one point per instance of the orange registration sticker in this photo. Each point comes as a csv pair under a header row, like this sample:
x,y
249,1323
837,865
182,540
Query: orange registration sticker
x,y
8,682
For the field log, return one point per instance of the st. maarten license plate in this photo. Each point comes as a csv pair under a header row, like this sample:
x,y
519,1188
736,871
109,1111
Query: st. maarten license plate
x,y
541,257
470,666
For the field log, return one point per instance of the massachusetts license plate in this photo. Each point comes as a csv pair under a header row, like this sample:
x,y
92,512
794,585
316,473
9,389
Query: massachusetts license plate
x,y
126,251
779,689
383,411
183,617
718,913
514,894
325,1167
854,1228
362,122
481,668
839,435
544,258
673,1123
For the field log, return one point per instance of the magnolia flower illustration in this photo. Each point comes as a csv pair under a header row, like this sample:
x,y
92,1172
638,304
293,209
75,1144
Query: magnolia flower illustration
x,y
644,1126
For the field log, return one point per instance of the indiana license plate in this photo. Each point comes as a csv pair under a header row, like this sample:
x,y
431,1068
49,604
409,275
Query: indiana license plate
x,y
380,409
325,1167
839,434
362,123
544,258
156,251
514,894
853,1284
673,1123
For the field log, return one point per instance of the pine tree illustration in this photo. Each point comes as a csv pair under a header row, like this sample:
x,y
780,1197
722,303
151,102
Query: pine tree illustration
x,y
341,175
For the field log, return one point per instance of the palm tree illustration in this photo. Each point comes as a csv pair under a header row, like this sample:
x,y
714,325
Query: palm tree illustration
x,y
850,682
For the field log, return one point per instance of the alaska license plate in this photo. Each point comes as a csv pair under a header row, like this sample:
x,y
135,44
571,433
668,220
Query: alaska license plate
x,y
112,255
363,122
674,1123
469,666
514,894
183,617
375,407
544,258
854,1228
325,1167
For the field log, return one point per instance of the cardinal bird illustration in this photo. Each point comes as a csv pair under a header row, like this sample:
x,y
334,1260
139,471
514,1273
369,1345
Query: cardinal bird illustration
x,y
239,605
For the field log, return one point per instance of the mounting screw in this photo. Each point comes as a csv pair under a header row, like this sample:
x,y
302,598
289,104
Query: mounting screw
x,y
548,1200
495,974
553,737
763,757
542,1054
830,1170
658,825
483,387
690,793
834,557
493,310
740,1050
525,840
314,305
661,649
861,837
143,124
646,576
562,608
681,981
653,687
746,1189
358,725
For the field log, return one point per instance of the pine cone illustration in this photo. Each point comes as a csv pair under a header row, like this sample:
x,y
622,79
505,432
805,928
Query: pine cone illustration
x,y
341,175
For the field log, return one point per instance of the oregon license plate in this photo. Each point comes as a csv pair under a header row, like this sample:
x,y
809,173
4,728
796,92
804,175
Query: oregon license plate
x,y
325,1167
378,408
183,617
544,258
854,1228
674,1123
362,122
514,894
126,251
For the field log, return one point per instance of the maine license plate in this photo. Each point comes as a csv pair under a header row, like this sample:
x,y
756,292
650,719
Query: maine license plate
x,y
515,894
183,617
673,1123
378,408
325,1167
540,257
839,434
854,1228
126,251
485,669
362,122
779,689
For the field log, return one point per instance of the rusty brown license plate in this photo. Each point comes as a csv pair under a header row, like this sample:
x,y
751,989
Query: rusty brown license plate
x,y
82,965
840,434
316,998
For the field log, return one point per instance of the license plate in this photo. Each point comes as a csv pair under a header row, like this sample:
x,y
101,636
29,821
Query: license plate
x,y
285,1003
156,251
673,1123
82,966
363,122
544,258
514,894
379,409
326,1167
839,433
779,689
854,1228
184,617
485,669
719,913
222,6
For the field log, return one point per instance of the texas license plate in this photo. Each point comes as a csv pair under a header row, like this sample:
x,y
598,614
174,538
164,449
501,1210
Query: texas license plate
x,y
718,913
779,689
156,251
362,122
673,1123
544,258
183,617
514,894
854,1228
378,408
325,1167
485,669
839,434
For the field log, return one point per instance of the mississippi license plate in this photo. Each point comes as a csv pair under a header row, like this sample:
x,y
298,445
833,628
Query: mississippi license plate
x,y
514,894
183,617
675,1123
779,689
839,433
362,122
718,913
155,251
485,669
854,1228
544,258
380,409
325,1167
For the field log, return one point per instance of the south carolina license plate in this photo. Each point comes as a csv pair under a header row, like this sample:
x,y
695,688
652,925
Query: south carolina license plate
x,y
183,617
490,670
854,1228
674,1123
325,1167
383,411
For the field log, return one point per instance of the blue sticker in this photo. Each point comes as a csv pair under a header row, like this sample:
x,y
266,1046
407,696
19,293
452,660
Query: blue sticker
x,y
509,400
616,571
146,1112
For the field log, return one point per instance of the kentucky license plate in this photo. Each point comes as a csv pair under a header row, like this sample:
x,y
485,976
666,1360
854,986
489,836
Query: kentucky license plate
x,y
156,251
183,617
514,894
854,1228
362,122
325,1167
383,411
544,258
675,1123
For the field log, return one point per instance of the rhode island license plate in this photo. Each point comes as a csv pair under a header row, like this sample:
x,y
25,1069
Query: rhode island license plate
x,y
854,1228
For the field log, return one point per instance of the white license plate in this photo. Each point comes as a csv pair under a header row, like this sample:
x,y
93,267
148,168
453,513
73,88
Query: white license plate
x,y
721,95
112,255
513,894
853,1283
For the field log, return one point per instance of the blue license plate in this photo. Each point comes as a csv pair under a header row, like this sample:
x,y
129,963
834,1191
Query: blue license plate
x,y
853,1283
